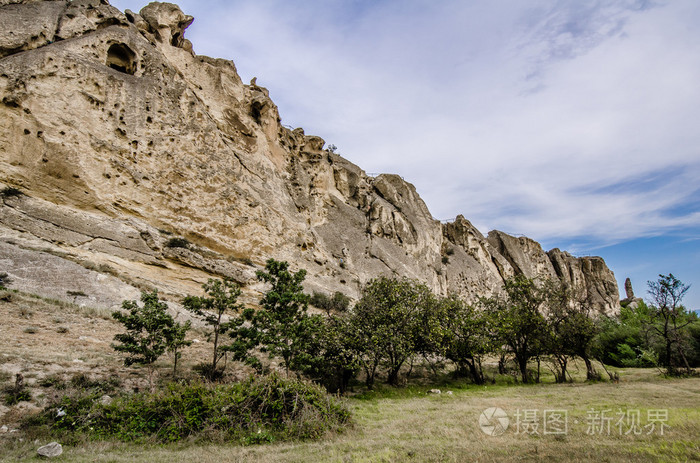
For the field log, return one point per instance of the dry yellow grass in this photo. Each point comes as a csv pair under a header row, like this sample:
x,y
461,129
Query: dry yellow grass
x,y
404,424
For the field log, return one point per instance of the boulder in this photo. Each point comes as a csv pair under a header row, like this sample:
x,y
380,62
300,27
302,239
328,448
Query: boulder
x,y
52,450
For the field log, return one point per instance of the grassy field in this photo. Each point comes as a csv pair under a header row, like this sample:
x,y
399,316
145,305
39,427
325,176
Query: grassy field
x,y
411,425
405,424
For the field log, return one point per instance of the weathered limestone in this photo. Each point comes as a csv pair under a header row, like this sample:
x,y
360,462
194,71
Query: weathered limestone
x,y
630,301
122,138
52,450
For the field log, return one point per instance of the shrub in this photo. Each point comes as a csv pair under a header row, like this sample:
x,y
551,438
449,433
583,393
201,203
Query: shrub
x,y
17,392
52,381
221,297
15,395
177,243
150,331
83,382
5,280
339,302
10,191
258,410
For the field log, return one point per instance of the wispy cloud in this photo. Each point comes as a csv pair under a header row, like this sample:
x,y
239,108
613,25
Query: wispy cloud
x,y
562,120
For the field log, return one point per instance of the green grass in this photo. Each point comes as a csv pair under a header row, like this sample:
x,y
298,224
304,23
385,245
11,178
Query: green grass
x,y
410,425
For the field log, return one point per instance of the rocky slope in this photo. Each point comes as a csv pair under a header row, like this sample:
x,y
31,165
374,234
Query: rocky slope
x,y
121,138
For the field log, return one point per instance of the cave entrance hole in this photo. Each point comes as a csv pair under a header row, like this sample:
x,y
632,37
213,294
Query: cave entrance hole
x,y
121,58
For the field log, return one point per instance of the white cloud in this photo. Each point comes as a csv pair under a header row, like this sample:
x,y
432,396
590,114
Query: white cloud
x,y
540,119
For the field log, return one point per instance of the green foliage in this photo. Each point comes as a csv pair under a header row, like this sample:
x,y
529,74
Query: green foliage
x,y
150,331
385,322
255,411
14,395
669,320
570,328
466,337
339,302
9,192
221,298
330,358
282,328
5,280
624,341
53,381
177,243
520,324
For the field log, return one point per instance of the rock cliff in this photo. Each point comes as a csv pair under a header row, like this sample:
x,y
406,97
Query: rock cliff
x,y
142,164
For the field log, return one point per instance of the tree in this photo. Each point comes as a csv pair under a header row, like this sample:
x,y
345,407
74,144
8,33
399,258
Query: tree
x,y
150,331
669,319
385,322
625,340
330,357
5,280
469,337
175,337
282,327
433,331
339,302
520,325
571,328
221,297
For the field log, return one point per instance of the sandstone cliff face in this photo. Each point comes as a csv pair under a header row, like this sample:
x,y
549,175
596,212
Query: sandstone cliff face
x,y
122,138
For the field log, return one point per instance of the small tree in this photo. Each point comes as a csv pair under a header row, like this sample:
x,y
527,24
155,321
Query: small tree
x,y
469,337
282,327
669,319
386,321
520,324
432,334
339,302
149,331
222,297
5,280
175,337
571,328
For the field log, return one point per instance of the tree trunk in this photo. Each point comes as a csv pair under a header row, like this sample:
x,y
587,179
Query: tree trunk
x,y
669,367
393,378
522,364
591,374
502,364
560,375
475,372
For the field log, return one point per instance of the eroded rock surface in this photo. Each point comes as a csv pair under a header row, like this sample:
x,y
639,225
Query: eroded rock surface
x,y
122,138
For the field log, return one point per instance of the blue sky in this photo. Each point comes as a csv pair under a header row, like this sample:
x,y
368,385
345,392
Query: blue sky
x,y
572,122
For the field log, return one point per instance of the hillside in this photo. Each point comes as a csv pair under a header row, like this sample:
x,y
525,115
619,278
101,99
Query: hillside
x,y
118,142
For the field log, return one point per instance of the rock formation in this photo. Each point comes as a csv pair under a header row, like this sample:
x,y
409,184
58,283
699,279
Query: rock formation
x,y
630,301
122,139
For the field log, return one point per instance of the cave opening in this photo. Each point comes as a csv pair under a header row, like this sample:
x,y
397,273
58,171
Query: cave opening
x,y
121,58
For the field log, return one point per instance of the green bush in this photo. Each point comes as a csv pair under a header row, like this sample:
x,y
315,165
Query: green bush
x,y
5,280
339,302
10,191
261,409
15,395
177,243
102,386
